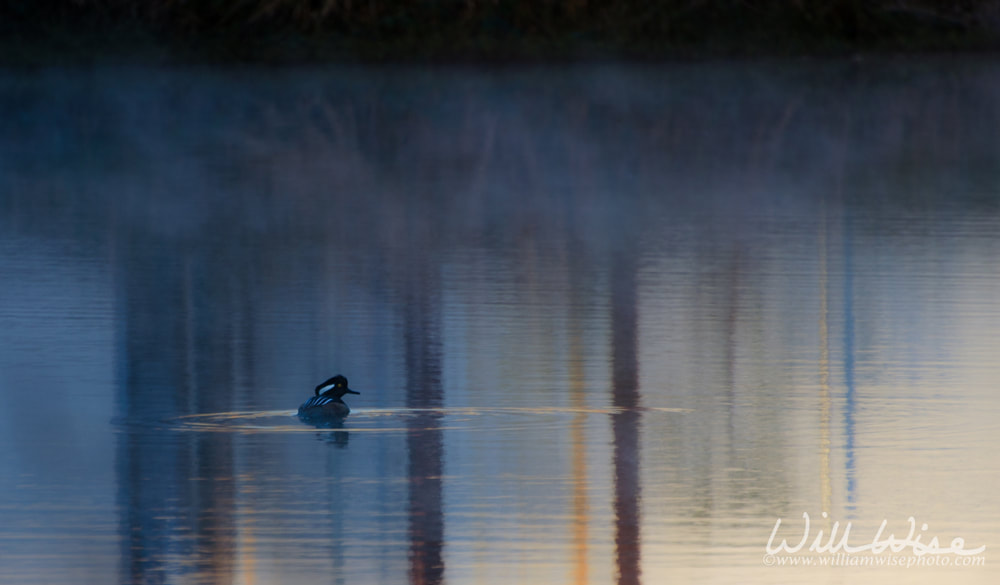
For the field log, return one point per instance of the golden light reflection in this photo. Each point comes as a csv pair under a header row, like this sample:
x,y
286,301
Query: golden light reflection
x,y
581,506
248,547
826,483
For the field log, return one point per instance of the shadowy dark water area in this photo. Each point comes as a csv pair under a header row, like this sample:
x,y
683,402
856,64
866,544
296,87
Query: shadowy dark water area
x,y
608,323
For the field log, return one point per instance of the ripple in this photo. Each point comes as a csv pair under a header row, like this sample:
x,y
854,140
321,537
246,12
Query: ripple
x,y
399,420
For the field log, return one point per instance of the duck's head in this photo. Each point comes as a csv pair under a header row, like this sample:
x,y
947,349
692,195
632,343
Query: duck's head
x,y
336,386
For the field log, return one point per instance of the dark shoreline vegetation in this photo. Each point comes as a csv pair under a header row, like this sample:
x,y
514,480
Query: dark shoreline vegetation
x,y
304,31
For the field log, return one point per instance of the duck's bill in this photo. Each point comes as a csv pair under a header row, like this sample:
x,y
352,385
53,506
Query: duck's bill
x,y
349,391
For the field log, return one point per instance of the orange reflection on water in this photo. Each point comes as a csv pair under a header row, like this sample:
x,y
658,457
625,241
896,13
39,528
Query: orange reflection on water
x,y
579,458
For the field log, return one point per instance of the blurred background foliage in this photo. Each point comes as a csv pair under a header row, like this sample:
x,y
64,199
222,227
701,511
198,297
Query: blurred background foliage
x,y
501,29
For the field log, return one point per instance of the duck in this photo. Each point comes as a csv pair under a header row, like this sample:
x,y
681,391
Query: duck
x,y
327,403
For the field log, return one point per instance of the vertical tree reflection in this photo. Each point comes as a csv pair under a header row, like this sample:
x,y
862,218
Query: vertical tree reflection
x,y
825,467
425,444
578,435
626,420
849,396
176,497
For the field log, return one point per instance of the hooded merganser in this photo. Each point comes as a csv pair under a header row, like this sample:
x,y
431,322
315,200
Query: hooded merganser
x,y
327,403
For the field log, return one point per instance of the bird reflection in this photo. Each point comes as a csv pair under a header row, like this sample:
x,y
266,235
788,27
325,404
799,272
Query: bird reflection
x,y
336,438
339,438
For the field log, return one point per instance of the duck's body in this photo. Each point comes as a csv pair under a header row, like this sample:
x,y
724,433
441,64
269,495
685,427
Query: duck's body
x,y
327,403
324,406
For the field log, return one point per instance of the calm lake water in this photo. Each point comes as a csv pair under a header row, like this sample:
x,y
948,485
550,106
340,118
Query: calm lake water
x,y
609,324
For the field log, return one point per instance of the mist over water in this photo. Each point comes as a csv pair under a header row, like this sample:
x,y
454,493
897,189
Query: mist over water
x,y
608,323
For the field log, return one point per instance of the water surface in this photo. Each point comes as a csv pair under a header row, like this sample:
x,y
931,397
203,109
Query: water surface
x,y
608,323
